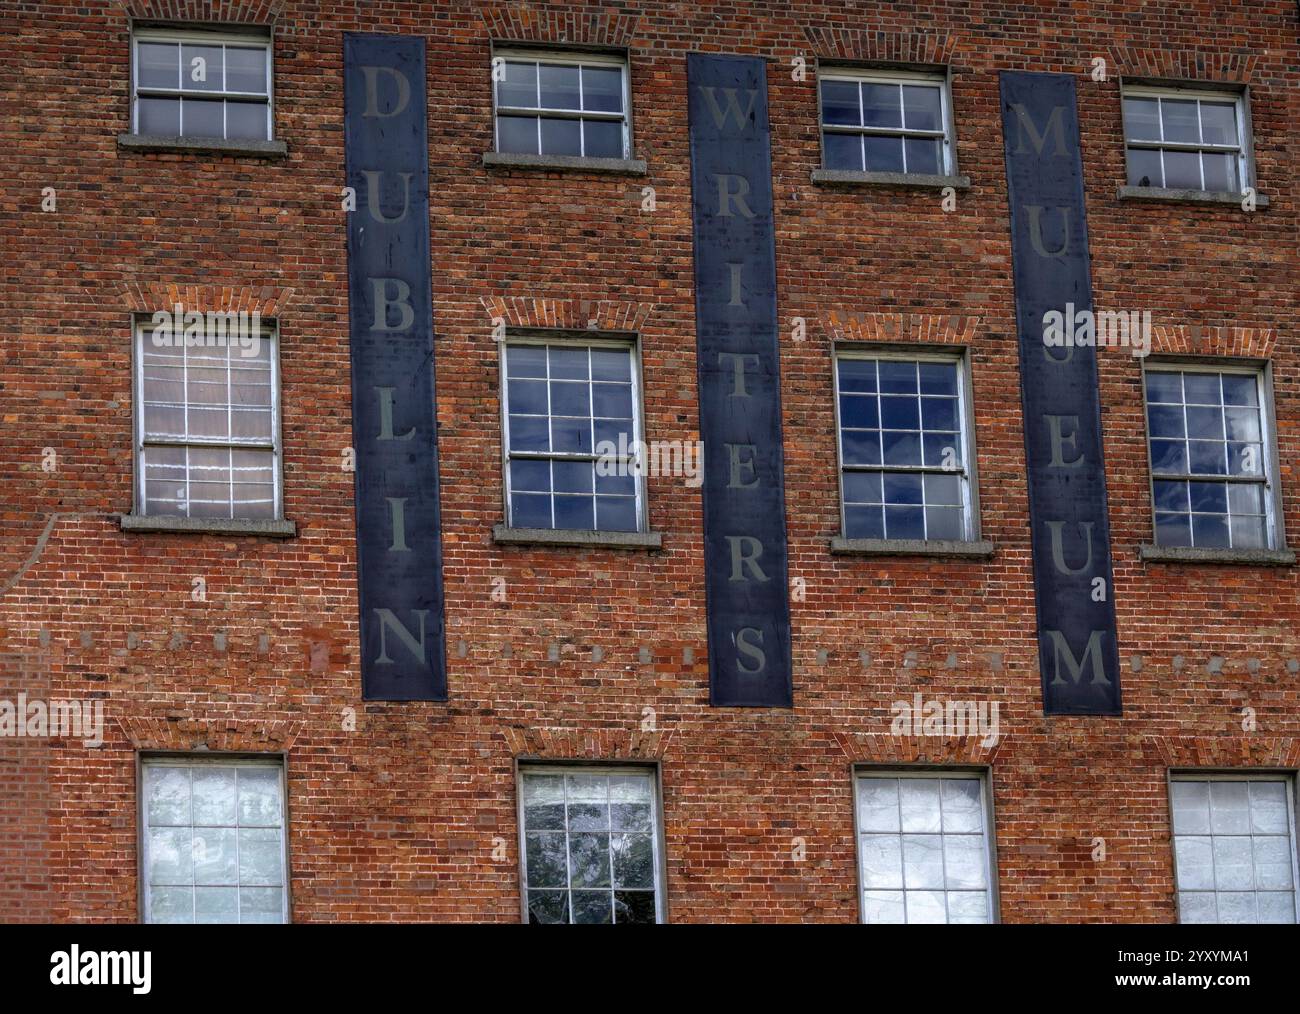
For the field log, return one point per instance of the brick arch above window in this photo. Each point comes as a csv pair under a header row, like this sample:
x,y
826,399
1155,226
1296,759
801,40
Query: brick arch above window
x,y
830,43
226,12
587,744
1192,339
537,24
910,328
569,314
147,297
170,732
1183,64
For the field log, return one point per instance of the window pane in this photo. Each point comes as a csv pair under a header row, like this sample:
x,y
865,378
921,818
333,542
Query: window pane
x,y
1180,120
517,135
1220,171
921,107
559,86
843,151
202,118
1144,168
246,69
561,137
881,105
518,87
883,154
1182,170
202,68
1219,122
840,102
1142,119
602,89
157,65
160,117
603,138
246,120
922,155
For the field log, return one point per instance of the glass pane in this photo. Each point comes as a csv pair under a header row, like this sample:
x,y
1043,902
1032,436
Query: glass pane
x,y
545,861
202,68
611,364
559,86
1141,119
1273,863
633,860
840,103
259,797
962,808
517,135
168,795
883,907
1229,807
1195,859
1182,170
216,904
246,120
261,856
589,859
171,851
246,69
925,907
567,363
882,860
1197,907
548,907
843,151
963,861
171,904
922,860
529,433
881,105
1144,168
1210,531
202,118
592,907
919,804
1240,389
602,89
1180,120
529,511
1173,530
216,856
518,86
602,138
637,907
968,907
1268,809
214,795
1166,387
1220,172
923,155
921,108
261,904
878,804
857,374
157,65
561,137
883,154
864,522
575,513
1219,122
159,117
616,514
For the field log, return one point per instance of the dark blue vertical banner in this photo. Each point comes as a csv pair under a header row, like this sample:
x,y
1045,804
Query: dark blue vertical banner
x,y
399,546
1078,656
745,562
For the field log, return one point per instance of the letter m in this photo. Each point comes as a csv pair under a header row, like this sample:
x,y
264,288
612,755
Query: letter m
x,y
1074,666
1055,125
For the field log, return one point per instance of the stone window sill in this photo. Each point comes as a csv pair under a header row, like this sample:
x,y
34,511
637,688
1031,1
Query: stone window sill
x,y
568,163
923,181
202,145
573,537
1201,554
1187,196
275,529
978,549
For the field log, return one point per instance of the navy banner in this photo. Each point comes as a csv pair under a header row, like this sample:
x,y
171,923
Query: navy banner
x,y
394,434
739,383
1078,656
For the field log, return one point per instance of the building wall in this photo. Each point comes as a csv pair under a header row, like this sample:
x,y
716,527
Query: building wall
x,y
411,815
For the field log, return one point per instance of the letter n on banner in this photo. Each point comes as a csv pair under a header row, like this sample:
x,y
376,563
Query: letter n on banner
x,y
1077,651
745,565
394,428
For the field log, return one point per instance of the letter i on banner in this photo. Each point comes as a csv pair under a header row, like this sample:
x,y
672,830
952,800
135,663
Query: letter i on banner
x,y
745,556
394,420
1078,654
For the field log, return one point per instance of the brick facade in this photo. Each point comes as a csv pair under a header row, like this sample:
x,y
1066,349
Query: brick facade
x,y
599,653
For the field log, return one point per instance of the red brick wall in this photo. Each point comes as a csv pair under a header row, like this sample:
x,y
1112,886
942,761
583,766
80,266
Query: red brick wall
x,y
399,819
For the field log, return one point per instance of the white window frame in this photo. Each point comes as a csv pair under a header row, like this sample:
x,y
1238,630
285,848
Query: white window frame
x,y
246,40
989,834
1273,527
629,344
270,332
650,771
1288,778
835,72
567,58
208,760
1245,164
965,420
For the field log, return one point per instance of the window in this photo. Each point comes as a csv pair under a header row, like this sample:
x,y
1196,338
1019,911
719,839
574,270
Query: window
x,y
1185,140
923,846
208,428
572,426
592,845
1210,468
904,471
202,84
896,122
561,105
214,841
1234,848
